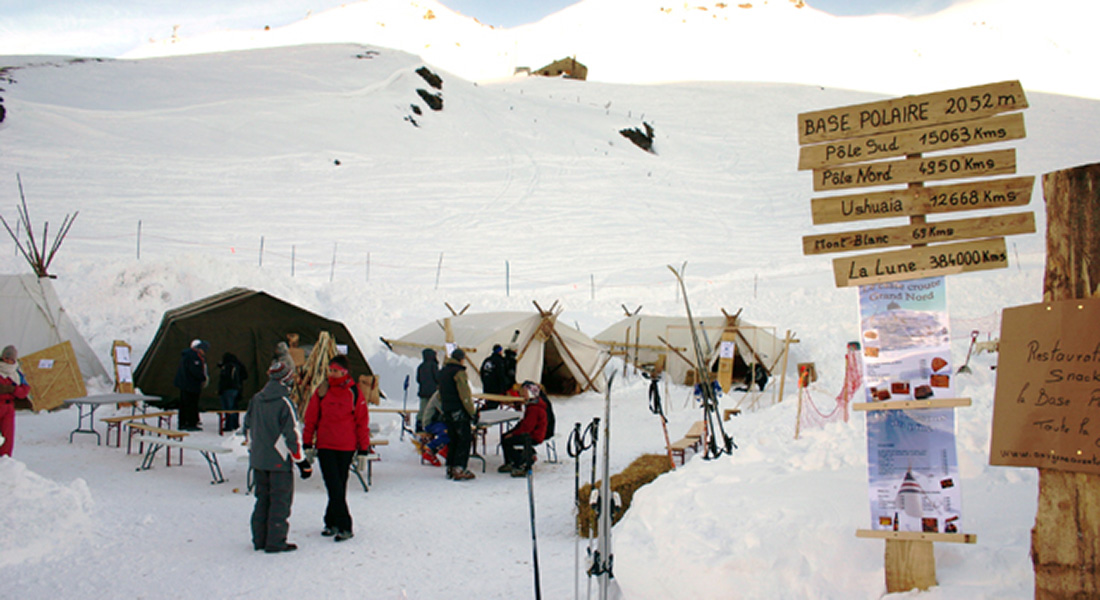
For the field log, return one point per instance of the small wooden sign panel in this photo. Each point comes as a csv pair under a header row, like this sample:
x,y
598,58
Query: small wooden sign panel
x,y
910,112
727,349
1046,408
918,141
916,263
919,233
911,170
908,202
54,376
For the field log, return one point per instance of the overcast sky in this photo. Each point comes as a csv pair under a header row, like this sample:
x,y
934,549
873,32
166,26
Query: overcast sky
x,y
109,28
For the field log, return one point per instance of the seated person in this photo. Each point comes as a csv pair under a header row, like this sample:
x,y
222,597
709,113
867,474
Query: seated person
x,y
433,440
528,433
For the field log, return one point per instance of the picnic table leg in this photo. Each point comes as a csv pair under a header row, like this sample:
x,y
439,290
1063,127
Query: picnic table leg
x,y
215,468
150,455
355,469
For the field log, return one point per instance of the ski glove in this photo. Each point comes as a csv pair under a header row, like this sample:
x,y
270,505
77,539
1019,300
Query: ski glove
x,y
304,469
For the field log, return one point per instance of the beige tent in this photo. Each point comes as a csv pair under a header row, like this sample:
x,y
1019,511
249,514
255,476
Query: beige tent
x,y
640,340
564,360
32,319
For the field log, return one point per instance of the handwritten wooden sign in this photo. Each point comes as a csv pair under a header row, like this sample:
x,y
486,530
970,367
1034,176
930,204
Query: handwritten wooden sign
x,y
919,233
910,112
893,172
915,263
1046,410
992,193
928,139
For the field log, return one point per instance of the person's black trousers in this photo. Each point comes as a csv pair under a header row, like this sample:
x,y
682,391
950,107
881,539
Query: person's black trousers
x,y
334,470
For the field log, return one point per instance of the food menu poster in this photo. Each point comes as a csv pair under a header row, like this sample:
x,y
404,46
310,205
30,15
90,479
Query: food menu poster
x,y
906,340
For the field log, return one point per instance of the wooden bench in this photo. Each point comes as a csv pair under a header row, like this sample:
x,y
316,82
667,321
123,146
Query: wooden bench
x,y
692,439
730,412
208,451
369,459
168,434
222,414
164,419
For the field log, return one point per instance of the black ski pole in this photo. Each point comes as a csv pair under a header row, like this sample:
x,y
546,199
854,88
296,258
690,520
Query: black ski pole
x,y
575,447
531,501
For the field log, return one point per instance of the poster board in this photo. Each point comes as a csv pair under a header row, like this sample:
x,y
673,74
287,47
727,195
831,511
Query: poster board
x,y
1046,407
54,376
727,349
124,372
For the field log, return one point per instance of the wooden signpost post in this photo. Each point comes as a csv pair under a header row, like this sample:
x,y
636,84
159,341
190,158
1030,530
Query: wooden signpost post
x,y
882,144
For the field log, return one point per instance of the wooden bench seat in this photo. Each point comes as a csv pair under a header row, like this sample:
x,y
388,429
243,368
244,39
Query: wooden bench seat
x,y
693,439
368,459
164,419
171,434
223,413
209,452
730,412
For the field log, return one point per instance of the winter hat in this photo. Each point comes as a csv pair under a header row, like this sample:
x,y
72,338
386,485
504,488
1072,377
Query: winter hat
x,y
9,352
195,343
533,391
458,354
279,371
340,361
428,353
496,348
202,345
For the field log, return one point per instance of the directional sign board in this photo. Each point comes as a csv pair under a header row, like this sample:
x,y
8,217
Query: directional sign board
x,y
897,145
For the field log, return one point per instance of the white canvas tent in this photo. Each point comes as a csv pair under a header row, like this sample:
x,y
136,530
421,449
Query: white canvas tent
x,y
32,318
564,360
638,339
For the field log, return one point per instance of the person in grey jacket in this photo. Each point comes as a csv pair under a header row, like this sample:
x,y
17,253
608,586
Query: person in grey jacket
x,y
275,444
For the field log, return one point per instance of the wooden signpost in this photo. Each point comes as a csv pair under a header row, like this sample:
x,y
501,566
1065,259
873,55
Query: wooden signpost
x,y
887,143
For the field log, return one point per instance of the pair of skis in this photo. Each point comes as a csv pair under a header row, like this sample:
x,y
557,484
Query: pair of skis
x,y
706,382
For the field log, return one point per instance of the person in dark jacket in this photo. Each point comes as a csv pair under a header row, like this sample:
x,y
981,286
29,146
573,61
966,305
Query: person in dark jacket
x,y
191,377
458,413
230,384
427,381
13,386
494,375
275,443
528,433
338,424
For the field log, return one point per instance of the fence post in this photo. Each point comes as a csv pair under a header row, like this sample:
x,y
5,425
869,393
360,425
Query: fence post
x,y
507,279
261,251
139,240
438,268
292,249
332,269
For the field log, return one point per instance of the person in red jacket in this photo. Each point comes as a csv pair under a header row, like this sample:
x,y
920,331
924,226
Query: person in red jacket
x,y
12,386
528,433
338,425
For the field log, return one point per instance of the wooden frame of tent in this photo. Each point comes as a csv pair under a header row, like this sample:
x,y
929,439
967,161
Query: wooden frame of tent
x,y
545,331
732,332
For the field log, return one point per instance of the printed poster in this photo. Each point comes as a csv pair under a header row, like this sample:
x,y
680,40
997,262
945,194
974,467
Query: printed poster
x,y
906,340
912,464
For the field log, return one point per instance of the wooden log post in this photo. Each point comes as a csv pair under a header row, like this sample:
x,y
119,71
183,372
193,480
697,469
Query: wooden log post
x,y
1065,542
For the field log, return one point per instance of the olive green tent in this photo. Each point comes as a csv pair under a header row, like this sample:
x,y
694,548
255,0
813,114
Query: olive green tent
x,y
245,322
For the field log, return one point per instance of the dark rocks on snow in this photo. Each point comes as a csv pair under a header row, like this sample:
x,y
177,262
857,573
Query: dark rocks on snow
x,y
416,109
643,140
433,80
434,101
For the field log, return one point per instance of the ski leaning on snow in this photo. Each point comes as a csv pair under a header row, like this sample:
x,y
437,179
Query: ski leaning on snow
x,y
603,560
578,442
706,384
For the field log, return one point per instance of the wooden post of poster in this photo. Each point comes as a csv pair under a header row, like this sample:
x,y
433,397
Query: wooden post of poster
x,y
1065,543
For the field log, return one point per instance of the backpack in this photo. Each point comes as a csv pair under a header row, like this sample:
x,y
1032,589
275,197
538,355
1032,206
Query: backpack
x,y
550,420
